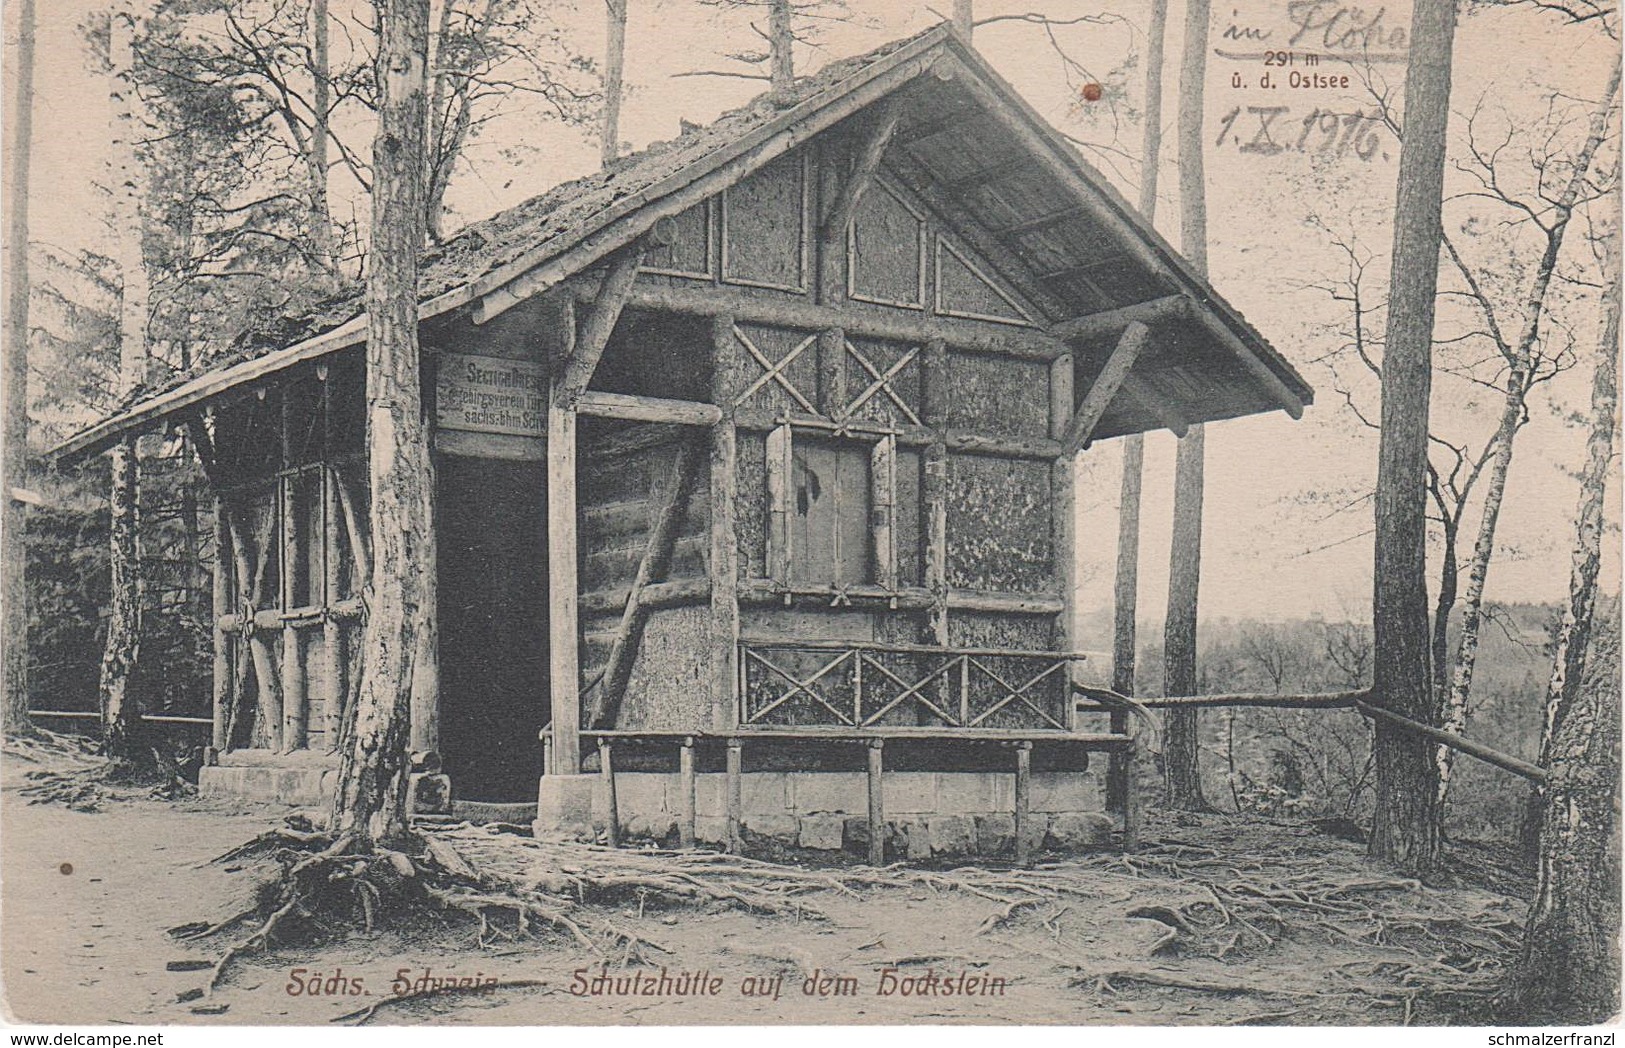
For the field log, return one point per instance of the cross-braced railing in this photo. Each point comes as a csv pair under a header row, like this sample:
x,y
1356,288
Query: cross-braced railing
x,y
860,685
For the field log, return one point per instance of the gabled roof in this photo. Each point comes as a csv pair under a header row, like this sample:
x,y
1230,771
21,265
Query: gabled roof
x,y
1092,256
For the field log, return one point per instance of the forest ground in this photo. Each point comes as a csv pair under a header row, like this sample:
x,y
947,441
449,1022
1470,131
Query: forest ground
x,y
1215,920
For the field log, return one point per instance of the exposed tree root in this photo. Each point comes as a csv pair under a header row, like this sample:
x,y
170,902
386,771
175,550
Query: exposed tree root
x,y
1223,915
95,780
326,887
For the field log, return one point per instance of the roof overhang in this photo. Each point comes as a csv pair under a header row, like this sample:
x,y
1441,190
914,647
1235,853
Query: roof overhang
x,y
939,53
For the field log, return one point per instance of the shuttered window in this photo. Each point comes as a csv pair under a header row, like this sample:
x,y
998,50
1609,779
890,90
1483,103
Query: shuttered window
x,y
831,504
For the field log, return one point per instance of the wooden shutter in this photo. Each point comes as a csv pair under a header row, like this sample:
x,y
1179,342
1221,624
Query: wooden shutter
x,y
882,505
779,509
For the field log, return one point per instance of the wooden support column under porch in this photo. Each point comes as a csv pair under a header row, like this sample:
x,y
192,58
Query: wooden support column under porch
x,y
728,755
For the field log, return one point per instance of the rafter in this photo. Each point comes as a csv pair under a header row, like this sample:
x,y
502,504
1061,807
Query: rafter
x,y
1114,321
1033,225
1154,404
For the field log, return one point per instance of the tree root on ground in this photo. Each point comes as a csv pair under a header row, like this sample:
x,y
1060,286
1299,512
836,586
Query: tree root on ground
x,y
1357,938
96,780
326,887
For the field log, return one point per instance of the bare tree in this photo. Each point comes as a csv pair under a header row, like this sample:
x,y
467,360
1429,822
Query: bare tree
x,y
1523,360
781,43
1568,970
1499,327
369,802
790,23
323,243
1181,768
1126,588
1405,827
14,476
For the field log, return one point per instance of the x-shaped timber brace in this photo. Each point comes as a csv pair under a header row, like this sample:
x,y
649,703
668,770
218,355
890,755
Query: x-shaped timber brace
x,y
956,671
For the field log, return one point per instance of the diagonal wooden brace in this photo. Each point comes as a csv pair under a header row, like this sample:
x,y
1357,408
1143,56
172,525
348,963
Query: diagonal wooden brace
x,y
606,310
870,154
1084,420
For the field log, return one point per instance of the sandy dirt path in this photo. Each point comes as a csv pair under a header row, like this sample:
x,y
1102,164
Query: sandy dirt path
x,y
90,946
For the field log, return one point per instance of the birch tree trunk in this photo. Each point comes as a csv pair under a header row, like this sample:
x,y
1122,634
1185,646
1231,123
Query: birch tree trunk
x,y
1405,828
398,643
614,71
1443,604
1181,772
14,476
120,716
1569,969
1513,410
781,41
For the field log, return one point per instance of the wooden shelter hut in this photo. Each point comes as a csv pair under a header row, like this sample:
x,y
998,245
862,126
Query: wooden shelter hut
x,y
753,461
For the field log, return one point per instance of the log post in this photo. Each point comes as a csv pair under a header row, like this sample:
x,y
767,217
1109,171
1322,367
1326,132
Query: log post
x,y
295,711
1024,771
736,796
934,493
831,371
564,660
612,814
332,628
222,650
1062,493
268,726
685,775
877,803
243,589
1130,797
1060,395
294,719
724,557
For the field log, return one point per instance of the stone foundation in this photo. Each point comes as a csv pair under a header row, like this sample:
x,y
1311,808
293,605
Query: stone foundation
x,y
302,779
927,813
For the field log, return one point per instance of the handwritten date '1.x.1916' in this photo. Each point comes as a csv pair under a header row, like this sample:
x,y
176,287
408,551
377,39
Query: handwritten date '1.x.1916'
x,y
1275,130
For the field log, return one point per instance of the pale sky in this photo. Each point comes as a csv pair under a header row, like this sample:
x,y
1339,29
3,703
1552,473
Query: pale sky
x,y
1273,549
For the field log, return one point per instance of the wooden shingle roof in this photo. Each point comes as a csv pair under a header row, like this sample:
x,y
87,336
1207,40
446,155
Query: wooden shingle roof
x,y
968,143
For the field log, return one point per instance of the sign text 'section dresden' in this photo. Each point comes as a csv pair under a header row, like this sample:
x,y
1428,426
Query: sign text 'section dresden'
x,y
491,395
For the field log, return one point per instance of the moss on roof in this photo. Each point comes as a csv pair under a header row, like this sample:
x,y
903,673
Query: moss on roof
x,y
561,216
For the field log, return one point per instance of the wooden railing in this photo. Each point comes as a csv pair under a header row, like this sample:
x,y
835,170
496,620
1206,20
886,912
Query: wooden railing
x,y
842,684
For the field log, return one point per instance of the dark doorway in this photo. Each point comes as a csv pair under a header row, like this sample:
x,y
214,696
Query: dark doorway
x,y
493,625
